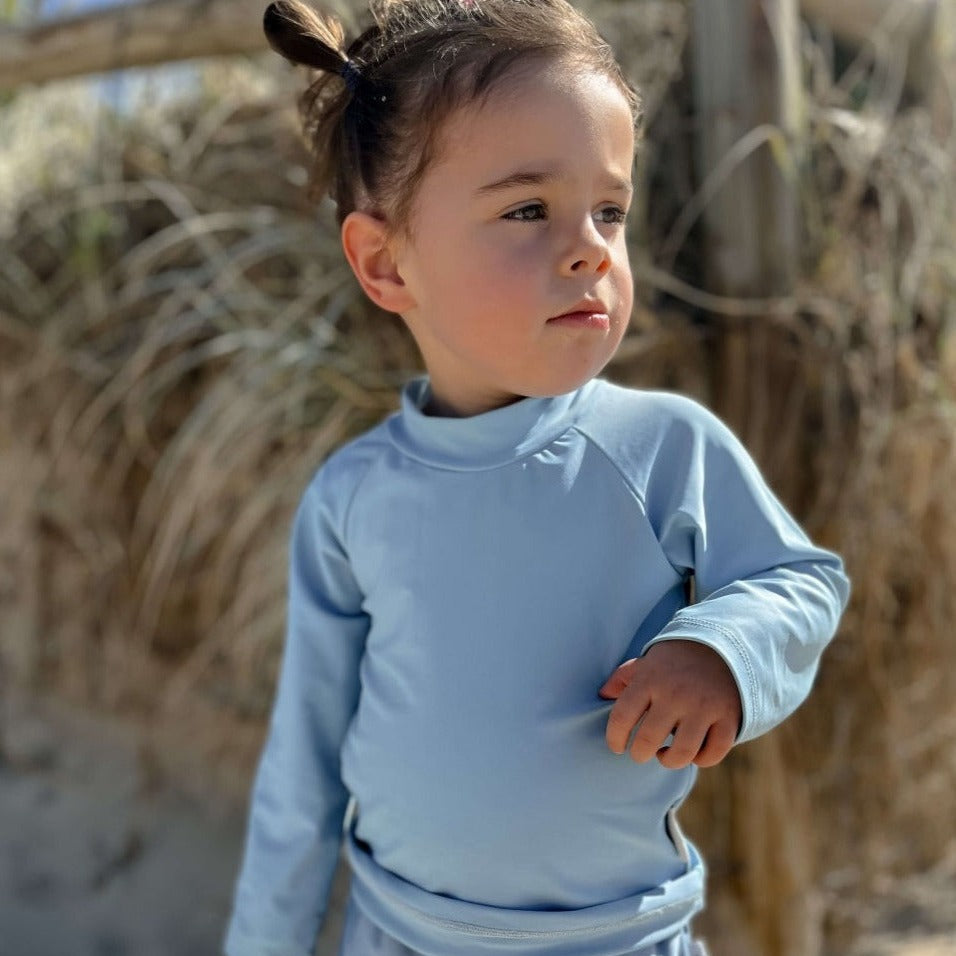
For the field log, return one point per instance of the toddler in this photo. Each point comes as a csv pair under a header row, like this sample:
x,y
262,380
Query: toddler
x,y
494,685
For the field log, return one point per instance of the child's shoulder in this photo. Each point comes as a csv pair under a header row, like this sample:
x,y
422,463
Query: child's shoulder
x,y
630,415
659,439
344,470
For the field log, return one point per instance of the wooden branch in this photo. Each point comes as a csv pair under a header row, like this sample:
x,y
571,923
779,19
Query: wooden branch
x,y
144,34
747,95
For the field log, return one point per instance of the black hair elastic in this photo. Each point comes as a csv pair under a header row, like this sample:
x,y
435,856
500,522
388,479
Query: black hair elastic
x,y
352,76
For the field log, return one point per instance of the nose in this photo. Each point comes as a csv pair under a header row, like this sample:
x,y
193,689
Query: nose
x,y
588,252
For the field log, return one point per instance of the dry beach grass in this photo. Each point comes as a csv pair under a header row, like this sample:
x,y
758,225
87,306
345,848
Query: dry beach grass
x,y
181,345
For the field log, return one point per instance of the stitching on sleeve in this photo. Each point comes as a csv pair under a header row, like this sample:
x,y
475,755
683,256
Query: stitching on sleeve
x,y
738,645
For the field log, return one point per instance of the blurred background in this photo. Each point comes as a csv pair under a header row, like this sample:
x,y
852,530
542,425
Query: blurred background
x,y
181,344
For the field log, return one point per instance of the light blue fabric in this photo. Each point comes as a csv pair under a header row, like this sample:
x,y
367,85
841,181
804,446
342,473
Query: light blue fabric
x,y
459,590
361,937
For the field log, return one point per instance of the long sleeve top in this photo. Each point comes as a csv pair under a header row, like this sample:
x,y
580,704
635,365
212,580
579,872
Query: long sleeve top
x,y
459,590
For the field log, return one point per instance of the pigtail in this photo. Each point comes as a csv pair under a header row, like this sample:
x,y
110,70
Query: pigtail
x,y
303,36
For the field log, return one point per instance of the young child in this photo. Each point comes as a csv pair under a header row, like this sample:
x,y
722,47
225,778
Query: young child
x,y
493,682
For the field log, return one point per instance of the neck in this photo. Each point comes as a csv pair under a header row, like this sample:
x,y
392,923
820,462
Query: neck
x,y
439,407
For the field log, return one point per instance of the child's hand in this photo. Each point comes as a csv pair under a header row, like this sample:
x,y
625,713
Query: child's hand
x,y
679,687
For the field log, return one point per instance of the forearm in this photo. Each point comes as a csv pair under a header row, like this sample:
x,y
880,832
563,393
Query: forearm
x,y
299,800
291,850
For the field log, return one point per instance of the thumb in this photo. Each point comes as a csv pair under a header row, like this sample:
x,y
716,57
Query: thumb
x,y
622,676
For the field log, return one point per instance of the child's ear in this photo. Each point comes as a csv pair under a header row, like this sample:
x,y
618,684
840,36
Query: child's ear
x,y
370,254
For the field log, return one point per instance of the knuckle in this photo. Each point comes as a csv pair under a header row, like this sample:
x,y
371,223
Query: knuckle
x,y
644,743
710,758
681,752
618,720
713,752
674,760
647,737
721,736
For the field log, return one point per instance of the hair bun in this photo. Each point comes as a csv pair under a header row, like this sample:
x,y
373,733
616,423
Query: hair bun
x,y
302,36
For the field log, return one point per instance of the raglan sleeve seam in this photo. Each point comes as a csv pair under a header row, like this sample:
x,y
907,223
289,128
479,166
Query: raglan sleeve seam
x,y
347,508
632,487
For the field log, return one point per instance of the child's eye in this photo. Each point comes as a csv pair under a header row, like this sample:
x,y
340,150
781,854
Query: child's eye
x,y
611,215
532,212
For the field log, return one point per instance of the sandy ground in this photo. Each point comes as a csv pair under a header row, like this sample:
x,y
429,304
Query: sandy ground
x,y
102,856
915,916
99,854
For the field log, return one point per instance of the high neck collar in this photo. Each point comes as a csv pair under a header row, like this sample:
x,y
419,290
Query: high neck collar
x,y
481,441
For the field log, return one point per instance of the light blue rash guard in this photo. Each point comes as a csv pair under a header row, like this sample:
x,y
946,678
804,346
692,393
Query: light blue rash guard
x,y
459,590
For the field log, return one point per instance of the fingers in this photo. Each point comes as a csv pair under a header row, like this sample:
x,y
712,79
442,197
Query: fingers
x,y
649,738
678,688
718,743
692,741
629,708
685,748
654,721
614,686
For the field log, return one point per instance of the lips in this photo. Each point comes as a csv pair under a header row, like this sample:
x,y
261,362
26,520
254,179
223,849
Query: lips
x,y
588,314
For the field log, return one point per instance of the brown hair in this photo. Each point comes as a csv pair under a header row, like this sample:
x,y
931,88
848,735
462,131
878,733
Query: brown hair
x,y
373,115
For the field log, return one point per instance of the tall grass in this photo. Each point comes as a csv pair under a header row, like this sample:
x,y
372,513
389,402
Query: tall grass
x,y
181,345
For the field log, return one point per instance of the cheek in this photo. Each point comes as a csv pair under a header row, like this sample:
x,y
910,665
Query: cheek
x,y
627,291
496,272
623,280
521,274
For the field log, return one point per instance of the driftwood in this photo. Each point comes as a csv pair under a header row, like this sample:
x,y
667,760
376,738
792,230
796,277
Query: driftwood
x,y
163,31
144,34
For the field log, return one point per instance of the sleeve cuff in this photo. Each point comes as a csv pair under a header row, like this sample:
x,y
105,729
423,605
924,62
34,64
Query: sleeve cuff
x,y
734,654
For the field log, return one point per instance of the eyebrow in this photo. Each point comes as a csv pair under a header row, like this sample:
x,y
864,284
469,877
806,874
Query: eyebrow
x,y
539,178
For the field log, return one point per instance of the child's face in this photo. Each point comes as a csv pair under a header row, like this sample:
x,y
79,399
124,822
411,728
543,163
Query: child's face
x,y
514,259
